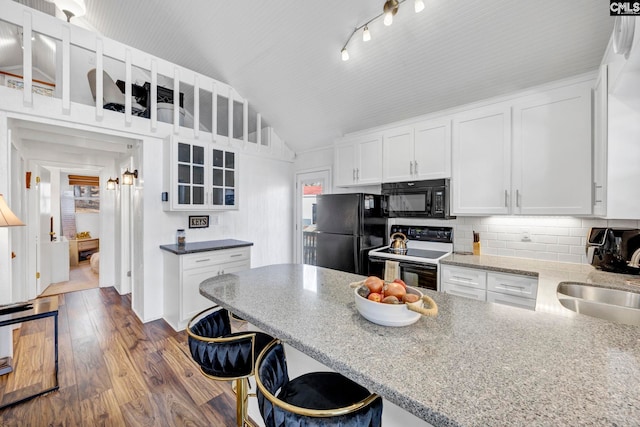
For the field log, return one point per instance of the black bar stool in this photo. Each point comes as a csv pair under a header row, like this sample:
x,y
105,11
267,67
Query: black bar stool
x,y
313,399
225,356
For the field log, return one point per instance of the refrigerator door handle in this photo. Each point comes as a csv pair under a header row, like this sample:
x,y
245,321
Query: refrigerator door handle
x,y
356,255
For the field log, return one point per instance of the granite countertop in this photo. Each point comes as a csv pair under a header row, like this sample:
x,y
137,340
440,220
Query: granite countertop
x,y
475,364
209,245
549,274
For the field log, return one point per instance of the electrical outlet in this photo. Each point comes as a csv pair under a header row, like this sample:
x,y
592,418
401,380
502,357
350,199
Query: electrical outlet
x,y
525,236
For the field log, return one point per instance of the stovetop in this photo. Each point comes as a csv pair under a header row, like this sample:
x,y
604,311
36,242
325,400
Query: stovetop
x,y
420,253
424,244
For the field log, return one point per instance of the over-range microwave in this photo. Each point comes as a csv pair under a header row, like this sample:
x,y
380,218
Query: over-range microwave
x,y
424,199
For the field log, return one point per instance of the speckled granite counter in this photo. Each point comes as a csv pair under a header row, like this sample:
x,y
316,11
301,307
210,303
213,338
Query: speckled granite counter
x,y
476,364
209,245
549,275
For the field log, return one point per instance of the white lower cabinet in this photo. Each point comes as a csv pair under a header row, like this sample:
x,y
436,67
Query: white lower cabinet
x,y
502,288
184,273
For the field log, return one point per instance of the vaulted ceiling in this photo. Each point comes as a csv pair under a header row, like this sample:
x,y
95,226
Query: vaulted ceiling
x,y
284,55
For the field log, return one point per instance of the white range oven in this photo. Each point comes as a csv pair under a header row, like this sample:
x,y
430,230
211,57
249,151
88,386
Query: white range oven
x,y
425,247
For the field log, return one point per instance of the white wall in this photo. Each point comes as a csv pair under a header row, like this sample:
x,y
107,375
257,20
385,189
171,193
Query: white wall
x,y
264,217
88,222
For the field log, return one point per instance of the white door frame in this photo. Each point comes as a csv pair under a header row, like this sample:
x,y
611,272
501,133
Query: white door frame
x,y
320,174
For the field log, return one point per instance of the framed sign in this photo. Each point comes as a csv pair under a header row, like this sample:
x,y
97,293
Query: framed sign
x,y
199,221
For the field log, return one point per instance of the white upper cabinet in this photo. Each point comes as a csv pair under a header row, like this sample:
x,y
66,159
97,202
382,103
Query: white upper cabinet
x,y
417,152
202,176
398,155
358,161
552,153
481,161
432,149
600,131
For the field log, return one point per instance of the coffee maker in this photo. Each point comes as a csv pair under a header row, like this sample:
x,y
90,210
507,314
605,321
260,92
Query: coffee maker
x,y
614,249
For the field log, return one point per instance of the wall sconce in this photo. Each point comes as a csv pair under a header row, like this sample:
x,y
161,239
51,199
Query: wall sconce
x,y
127,177
111,183
7,218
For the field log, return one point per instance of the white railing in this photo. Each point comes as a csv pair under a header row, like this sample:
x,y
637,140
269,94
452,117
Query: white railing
x,y
69,38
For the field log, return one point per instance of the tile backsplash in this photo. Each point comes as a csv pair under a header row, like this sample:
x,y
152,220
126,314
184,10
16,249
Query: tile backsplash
x,y
560,239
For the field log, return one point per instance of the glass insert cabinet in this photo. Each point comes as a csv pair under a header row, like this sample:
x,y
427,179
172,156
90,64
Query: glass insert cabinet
x,y
203,176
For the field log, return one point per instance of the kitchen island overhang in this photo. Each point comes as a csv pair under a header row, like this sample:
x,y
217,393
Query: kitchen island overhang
x,y
475,364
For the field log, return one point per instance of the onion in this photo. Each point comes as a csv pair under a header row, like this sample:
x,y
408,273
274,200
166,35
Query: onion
x,y
394,289
374,284
410,298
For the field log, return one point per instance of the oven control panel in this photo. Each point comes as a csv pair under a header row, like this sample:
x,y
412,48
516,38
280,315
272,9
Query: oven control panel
x,y
425,233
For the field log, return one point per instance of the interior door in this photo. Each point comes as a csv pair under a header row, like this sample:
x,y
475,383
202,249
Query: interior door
x,y
43,262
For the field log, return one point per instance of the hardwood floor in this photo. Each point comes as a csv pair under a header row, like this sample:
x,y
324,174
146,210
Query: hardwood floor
x,y
81,277
113,371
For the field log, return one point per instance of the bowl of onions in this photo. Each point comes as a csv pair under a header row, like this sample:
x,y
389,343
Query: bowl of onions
x,y
391,303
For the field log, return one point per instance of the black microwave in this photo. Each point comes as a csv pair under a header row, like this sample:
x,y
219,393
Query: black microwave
x,y
425,199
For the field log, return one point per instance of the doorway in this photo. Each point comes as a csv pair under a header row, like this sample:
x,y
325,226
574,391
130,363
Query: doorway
x,y
46,148
309,184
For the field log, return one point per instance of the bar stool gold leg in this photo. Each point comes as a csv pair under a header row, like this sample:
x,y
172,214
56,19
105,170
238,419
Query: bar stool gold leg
x,y
241,401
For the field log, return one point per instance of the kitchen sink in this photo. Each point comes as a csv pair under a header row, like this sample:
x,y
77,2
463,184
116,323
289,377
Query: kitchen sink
x,y
609,304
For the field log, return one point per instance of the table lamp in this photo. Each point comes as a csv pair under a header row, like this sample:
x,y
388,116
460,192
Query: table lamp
x,y
7,219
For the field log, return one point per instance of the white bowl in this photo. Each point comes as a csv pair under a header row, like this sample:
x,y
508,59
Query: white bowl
x,y
388,314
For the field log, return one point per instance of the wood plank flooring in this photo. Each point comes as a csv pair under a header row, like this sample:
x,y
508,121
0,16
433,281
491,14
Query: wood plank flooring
x,y
113,371
81,277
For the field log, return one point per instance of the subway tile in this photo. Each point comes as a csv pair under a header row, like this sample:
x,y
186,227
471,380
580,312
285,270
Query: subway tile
x,y
622,223
579,231
488,236
545,239
527,246
589,222
547,256
577,250
563,240
494,243
562,249
490,251
506,252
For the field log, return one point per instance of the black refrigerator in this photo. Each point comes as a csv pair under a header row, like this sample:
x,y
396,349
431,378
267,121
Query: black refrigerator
x,y
348,226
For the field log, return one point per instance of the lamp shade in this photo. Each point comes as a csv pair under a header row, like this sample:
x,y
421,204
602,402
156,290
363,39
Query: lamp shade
x,y
75,7
7,218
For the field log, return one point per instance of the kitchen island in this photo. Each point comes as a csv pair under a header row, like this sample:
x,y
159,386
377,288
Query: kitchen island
x,y
474,364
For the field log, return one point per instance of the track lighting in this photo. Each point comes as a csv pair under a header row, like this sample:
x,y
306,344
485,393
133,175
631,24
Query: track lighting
x,y
389,10
366,35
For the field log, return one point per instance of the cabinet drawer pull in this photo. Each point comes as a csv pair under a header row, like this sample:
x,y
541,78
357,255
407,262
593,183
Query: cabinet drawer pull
x,y
517,198
462,293
203,260
235,255
464,279
508,285
506,197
